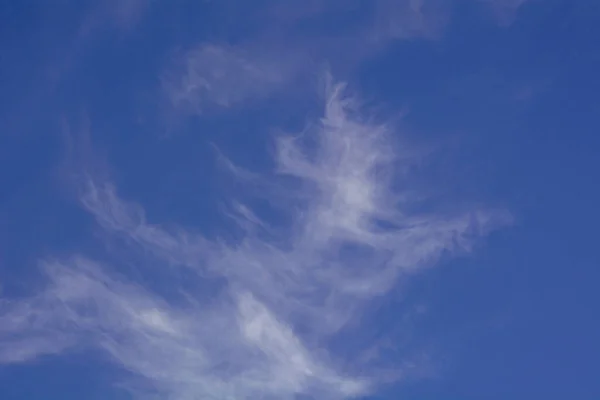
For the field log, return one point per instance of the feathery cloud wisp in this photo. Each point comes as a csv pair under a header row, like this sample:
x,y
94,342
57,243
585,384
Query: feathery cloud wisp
x,y
219,76
216,75
280,299
224,76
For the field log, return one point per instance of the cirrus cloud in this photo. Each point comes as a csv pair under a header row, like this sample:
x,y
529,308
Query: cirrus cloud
x,y
280,294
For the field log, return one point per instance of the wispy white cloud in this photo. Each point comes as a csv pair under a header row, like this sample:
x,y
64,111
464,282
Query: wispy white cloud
x,y
224,76
282,294
218,75
279,51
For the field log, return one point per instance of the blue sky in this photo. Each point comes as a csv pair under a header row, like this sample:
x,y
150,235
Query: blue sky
x,y
387,199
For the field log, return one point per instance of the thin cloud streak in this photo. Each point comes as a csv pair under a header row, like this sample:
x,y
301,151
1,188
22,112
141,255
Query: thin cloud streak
x,y
215,75
224,76
283,298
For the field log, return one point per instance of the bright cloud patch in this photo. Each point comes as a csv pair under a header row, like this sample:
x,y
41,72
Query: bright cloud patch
x,y
284,293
